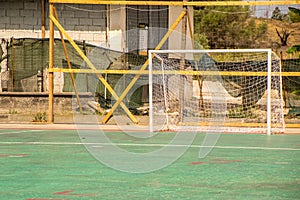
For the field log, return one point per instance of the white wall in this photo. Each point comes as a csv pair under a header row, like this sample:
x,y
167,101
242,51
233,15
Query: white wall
x,y
23,19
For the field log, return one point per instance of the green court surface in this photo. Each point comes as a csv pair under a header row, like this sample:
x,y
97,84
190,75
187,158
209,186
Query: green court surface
x,y
55,165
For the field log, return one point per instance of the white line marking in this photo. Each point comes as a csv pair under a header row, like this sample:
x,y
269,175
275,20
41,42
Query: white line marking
x,y
282,163
149,145
14,132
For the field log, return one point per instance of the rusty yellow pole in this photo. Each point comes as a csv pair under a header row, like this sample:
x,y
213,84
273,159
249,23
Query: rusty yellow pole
x,y
180,3
163,40
12,64
51,63
91,65
43,18
69,64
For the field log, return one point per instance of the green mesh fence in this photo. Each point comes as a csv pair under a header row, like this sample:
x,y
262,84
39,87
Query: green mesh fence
x,y
291,86
28,56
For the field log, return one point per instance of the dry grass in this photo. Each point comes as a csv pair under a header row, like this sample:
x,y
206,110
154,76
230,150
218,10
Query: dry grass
x,y
273,41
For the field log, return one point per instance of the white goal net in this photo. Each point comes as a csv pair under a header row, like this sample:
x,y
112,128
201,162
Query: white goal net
x,y
215,90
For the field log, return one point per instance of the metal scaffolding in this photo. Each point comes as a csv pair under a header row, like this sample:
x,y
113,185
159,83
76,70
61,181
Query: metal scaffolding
x,y
183,16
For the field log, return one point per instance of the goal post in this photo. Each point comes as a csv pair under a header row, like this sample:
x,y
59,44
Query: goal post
x,y
237,90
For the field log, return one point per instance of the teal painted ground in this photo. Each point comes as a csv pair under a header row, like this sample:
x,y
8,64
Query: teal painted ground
x,y
53,165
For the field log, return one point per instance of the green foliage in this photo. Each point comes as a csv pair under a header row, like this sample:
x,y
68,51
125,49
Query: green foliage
x,y
12,111
227,27
40,117
296,92
294,49
202,40
294,14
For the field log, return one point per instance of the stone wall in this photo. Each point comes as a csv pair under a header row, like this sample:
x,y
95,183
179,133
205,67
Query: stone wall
x,y
30,103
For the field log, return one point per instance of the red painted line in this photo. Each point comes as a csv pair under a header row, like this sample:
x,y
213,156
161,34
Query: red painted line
x,y
64,192
223,161
44,199
196,163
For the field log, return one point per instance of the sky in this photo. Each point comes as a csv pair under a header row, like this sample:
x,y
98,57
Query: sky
x,y
266,11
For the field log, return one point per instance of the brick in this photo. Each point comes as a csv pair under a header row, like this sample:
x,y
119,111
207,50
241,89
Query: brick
x,y
97,22
2,12
86,7
68,13
30,20
17,5
16,20
37,27
26,13
71,21
12,26
99,7
37,13
39,21
69,27
80,28
81,14
2,26
85,22
95,15
5,20
27,27
4,4
95,28
13,13
30,5
60,7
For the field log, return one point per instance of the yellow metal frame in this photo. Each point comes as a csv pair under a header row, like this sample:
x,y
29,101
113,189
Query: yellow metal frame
x,y
178,3
90,64
143,68
174,72
69,64
54,21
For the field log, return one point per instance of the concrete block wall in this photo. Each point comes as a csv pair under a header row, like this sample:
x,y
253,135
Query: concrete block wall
x,y
23,19
31,103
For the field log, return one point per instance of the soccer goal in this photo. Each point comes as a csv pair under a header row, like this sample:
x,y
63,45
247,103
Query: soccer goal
x,y
215,90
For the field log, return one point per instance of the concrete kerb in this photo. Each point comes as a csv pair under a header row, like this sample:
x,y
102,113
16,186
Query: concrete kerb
x,y
45,126
57,126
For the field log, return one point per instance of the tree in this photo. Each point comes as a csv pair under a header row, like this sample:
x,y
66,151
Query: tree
x,y
277,15
284,36
228,27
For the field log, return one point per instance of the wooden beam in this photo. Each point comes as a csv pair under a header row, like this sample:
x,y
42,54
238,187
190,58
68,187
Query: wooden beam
x,y
178,3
